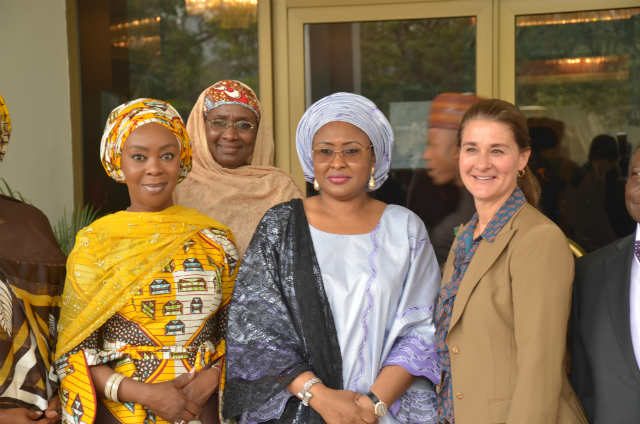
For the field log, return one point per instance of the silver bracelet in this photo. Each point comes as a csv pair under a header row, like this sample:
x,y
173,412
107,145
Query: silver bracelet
x,y
112,385
305,394
116,386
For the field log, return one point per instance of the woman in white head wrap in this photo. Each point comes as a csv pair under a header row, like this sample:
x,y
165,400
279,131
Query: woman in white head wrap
x,y
332,316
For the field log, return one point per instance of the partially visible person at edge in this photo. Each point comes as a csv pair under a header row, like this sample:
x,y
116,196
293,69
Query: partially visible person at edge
x,y
332,316
504,303
605,325
144,303
232,180
441,161
31,278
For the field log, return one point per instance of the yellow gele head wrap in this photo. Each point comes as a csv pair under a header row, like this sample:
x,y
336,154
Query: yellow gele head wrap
x,y
5,128
124,119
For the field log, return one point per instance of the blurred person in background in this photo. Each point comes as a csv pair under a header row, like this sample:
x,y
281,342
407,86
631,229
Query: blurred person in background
x,y
441,161
596,214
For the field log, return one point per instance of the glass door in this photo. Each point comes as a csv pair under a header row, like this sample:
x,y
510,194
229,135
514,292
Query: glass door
x,y
576,74
399,55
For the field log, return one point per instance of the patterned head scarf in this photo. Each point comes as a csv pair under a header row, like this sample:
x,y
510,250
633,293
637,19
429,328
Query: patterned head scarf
x,y
447,109
124,119
353,109
5,128
231,92
239,197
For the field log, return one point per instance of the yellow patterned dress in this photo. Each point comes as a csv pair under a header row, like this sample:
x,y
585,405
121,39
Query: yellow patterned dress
x,y
146,293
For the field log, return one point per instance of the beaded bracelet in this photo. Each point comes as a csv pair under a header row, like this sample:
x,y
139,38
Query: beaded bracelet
x,y
305,395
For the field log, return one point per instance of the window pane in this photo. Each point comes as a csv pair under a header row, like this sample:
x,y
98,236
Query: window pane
x,y
166,49
578,76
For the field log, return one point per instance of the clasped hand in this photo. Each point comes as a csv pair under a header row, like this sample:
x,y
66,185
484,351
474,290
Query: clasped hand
x,y
345,407
184,397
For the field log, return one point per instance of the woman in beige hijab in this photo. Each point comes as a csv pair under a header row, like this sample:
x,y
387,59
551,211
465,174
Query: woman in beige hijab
x,y
231,179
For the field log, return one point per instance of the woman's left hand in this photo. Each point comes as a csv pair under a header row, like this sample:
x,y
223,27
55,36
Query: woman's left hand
x,y
203,385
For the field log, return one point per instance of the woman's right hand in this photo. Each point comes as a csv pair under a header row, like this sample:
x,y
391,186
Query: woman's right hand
x,y
339,406
22,416
168,400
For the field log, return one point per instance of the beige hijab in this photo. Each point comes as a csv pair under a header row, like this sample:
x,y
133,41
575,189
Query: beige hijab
x,y
237,197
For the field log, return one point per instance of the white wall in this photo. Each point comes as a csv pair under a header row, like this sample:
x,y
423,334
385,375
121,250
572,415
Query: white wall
x,y
34,80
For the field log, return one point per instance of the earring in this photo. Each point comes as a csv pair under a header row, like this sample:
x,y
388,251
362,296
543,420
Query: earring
x,y
372,181
521,173
316,186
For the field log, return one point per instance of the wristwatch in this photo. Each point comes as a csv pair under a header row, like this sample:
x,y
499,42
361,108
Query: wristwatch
x,y
379,407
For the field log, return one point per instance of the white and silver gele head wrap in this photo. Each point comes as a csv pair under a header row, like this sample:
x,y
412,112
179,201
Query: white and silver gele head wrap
x,y
356,110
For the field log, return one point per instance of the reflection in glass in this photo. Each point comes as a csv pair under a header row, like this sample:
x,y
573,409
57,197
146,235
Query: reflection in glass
x,y
387,61
167,49
577,77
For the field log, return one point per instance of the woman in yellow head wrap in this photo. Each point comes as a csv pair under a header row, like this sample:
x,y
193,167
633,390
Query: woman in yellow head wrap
x,y
31,278
147,288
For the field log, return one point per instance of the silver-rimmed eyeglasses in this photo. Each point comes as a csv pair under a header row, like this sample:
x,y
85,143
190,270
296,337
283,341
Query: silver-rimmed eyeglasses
x,y
351,154
223,124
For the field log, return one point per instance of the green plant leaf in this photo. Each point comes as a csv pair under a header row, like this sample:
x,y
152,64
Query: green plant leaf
x,y
66,228
8,191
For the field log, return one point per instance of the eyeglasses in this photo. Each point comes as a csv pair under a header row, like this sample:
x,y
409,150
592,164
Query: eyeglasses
x,y
349,154
223,124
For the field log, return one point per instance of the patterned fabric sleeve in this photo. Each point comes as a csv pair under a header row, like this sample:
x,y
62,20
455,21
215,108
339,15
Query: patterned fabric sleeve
x,y
229,271
280,323
416,355
77,391
415,349
27,336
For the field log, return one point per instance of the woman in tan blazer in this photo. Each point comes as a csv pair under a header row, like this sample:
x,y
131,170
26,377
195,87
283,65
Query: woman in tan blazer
x,y
506,290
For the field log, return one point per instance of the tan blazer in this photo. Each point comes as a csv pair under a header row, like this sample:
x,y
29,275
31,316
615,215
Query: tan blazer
x,y
508,332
